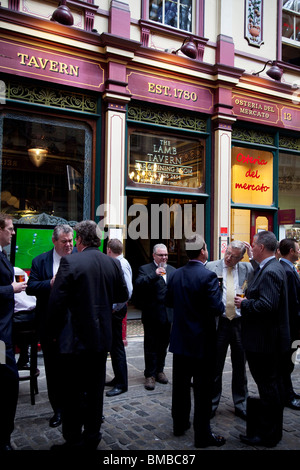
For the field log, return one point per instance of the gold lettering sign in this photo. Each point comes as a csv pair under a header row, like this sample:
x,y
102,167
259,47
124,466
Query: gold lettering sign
x,y
48,64
155,159
251,176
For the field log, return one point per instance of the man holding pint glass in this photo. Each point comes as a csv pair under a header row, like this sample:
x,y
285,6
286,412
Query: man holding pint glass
x,y
233,275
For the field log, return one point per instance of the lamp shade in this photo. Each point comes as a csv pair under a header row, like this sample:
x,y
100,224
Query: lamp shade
x,y
275,72
189,48
63,15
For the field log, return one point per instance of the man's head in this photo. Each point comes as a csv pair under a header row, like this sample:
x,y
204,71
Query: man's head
x,y
264,245
114,248
160,253
63,239
87,234
6,229
289,249
195,248
234,253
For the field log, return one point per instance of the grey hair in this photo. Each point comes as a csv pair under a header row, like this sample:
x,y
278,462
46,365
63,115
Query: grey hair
x,y
238,245
158,246
59,229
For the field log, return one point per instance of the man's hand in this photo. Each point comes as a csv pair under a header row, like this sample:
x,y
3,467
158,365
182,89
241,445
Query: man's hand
x,y
19,287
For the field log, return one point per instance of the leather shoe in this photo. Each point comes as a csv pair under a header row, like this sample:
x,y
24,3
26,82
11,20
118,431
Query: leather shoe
x,y
211,440
256,441
240,413
294,404
150,383
161,378
115,391
55,420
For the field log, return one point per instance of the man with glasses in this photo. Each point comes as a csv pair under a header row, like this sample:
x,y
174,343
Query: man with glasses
x,y
151,284
229,325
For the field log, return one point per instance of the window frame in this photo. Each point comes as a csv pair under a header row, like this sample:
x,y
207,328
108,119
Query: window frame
x,y
282,40
198,21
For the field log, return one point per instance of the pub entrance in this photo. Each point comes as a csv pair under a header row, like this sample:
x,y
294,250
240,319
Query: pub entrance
x,y
160,218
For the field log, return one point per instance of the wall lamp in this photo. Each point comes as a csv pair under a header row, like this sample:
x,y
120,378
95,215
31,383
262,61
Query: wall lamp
x,y
62,14
274,72
188,48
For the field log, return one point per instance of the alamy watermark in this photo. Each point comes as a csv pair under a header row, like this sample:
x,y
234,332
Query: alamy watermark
x,y
157,221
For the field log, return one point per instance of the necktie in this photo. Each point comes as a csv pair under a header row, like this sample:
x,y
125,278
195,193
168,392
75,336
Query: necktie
x,y
230,308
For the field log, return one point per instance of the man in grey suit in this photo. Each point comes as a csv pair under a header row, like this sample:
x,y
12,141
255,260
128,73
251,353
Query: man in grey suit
x,y
266,339
229,328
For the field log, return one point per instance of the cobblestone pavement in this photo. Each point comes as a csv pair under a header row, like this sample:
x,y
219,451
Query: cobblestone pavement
x,y
141,419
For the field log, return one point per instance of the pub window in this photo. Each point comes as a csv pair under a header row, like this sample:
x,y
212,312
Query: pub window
x,y
291,31
175,13
289,182
167,161
46,166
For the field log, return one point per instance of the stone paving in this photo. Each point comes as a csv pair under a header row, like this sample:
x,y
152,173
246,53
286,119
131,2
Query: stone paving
x,y
141,419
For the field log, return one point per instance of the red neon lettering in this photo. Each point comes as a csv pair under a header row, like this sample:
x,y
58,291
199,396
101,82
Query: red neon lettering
x,y
240,158
251,187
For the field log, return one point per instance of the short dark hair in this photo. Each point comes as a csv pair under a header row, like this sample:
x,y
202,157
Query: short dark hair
x,y
268,239
115,245
194,245
286,244
3,218
89,233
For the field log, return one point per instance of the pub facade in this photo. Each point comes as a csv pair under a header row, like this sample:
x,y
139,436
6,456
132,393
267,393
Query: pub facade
x,y
157,119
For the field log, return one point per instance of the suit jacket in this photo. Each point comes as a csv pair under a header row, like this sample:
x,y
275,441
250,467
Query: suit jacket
x,y
265,323
87,284
151,291
39,285
6,300
194,293
293,282
245,270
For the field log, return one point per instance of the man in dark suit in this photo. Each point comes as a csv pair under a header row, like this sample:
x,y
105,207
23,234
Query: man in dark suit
x,y
229,327
87,285
42,275
151,285
9,378
289,252
194,293
266,338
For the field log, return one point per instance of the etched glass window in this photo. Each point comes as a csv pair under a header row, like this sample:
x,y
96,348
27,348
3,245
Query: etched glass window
x,y
159,159
46,166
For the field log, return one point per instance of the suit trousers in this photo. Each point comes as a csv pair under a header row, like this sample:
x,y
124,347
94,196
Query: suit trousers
x,y
51,361
156,342
82,385
229,334
186,368
117,353
9,390
267,373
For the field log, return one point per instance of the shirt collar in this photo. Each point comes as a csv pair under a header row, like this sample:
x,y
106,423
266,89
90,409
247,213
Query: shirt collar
x,y
261,265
